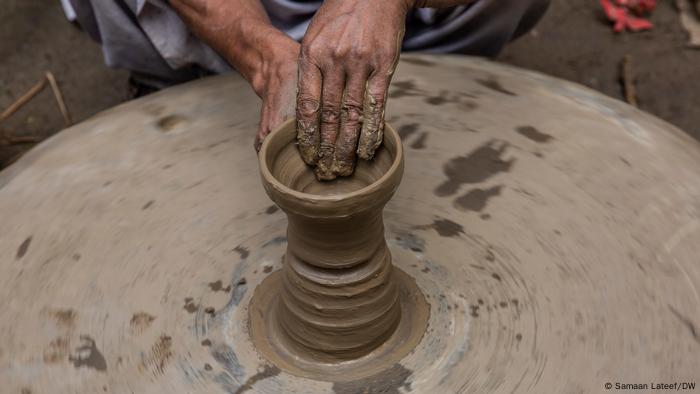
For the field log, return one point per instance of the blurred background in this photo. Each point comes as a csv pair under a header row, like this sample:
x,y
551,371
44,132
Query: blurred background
x,y
574,41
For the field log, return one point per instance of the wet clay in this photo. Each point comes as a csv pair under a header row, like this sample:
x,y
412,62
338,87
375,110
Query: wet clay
x,y
338,297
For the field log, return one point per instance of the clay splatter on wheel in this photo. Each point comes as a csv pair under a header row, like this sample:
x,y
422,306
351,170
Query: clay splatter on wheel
x,y
552,231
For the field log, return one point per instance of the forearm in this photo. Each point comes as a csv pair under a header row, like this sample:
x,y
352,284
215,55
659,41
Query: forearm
x,y
239,30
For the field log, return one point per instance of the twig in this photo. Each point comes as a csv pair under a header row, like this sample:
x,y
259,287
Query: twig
x,y
59,99
628,87
23,100
12,140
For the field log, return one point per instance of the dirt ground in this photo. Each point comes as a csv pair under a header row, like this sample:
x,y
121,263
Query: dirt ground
x,y
573,42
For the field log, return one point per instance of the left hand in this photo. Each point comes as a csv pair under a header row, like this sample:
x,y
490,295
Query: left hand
x,y
347,59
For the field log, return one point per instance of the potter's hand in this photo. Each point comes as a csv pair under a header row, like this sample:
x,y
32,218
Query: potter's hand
x,y
348,56
241,32
277,88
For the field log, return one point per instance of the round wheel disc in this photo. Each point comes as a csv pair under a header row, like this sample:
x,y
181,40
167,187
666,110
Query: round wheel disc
x,y
553,231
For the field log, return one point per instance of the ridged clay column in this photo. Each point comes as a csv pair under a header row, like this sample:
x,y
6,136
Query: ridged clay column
x,y
338,298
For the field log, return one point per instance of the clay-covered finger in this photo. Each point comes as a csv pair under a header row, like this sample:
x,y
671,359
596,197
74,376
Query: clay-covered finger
x,y
373,115
331,99
308,111
350,124
263,126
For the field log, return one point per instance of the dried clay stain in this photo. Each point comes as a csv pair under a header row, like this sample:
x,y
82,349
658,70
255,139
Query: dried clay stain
x,y
65,318
88,355
447,228
533,134
156,360
23,247
219,286
479,165
267,372
461,99
405,89
476,199
167,123
140,322
494,84
190,306
406,130
242,251
444,227
419,143
57,350
391,381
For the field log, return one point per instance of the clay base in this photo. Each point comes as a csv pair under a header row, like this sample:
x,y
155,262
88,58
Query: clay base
x,y
276,348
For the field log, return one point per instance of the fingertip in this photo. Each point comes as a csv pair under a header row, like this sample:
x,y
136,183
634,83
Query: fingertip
x,y
371,138
343,167
308,140
308,108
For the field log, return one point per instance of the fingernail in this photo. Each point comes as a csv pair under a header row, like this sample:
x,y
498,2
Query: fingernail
x,y
324,173
369,142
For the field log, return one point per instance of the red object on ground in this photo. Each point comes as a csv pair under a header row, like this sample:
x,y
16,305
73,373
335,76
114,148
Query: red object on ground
x,y
620,12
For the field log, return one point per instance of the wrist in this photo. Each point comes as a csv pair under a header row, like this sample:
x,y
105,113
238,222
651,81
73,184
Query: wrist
x,y
258,50
278,59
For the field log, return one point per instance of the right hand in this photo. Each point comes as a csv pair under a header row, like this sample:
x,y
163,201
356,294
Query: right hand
x,y
348,56
276,86
241,32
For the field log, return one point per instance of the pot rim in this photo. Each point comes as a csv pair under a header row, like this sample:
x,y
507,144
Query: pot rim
x,y
385,181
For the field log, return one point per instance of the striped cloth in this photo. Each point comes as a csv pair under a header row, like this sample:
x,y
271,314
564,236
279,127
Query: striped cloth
x,y
148,38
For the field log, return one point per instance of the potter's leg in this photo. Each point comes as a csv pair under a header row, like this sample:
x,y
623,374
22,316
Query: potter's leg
x,y
482,28
148,39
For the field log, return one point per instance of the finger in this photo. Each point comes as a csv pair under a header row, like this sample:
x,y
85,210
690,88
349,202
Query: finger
x,y
264,126
308,110
350,123
373,114
331,99
283,104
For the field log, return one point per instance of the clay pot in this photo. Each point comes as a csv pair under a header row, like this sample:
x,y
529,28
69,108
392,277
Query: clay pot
x,y
339,296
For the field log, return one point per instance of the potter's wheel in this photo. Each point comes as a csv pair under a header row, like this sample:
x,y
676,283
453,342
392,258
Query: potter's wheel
x,y
553,231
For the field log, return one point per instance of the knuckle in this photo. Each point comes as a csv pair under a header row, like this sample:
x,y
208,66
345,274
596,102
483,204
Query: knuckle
x,y
339,52
312,50
330,114
352,113
360,52
307,107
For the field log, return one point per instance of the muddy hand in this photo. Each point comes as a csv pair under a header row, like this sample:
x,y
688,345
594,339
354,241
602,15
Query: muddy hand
x,y
278,91
347,58
241,32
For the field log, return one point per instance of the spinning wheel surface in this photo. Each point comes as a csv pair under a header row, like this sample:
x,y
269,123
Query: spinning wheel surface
x,y
554,232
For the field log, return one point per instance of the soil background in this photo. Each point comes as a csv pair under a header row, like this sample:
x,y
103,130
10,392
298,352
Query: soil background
x,y
573,41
